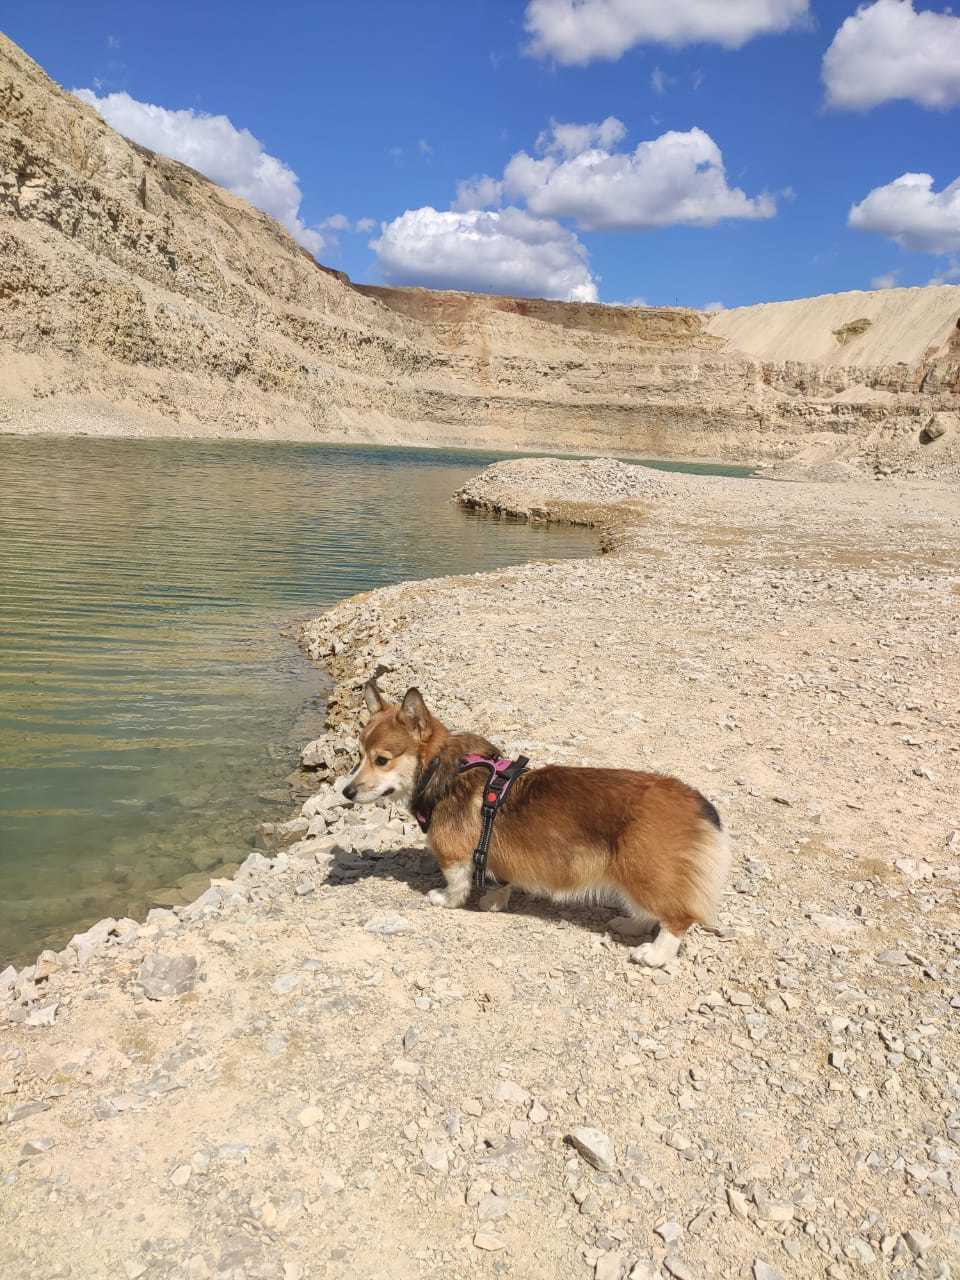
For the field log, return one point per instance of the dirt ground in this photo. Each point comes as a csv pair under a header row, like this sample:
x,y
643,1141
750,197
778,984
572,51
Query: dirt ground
x,y
310,1072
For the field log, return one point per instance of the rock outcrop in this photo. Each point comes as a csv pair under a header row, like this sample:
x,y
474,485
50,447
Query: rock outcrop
x,y
140,298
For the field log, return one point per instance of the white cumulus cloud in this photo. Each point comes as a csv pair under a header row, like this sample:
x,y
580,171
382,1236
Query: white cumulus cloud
x,y
890,50
911,213
231,157
478,193
678,178
572,139
576,32
487,251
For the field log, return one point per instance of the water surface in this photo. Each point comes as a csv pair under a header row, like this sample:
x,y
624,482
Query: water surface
x,y
150,688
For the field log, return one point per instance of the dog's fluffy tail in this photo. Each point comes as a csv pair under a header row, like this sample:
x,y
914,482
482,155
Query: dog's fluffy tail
x,y
709,868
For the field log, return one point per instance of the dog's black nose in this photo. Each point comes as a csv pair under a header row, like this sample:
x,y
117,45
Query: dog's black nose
x,y
350,792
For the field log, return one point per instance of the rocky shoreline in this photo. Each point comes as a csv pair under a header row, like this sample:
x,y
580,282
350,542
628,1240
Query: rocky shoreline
x,y
308,1071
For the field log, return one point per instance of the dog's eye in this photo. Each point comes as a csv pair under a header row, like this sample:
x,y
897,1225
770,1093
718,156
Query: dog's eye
x,y
381,761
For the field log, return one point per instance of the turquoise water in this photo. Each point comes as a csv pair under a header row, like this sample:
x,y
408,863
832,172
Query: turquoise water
x,y
150,687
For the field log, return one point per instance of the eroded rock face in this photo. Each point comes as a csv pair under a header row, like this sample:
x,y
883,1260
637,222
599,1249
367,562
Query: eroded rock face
x,y
140,298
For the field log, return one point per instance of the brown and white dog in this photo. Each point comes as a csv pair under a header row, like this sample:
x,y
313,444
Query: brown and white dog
x,y
644,840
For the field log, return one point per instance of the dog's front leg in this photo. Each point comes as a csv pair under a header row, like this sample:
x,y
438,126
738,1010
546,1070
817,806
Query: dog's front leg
x,y
497,899
458,878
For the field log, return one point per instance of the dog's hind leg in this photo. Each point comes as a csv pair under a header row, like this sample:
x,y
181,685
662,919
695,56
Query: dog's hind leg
x,y
458,877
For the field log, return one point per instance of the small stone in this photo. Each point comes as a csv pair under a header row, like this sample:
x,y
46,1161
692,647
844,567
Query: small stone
x,y
489,1241
677,1267
669,1232
917,1242
610,1266
858,1250
310,1116
776,1211
8,979
595,1147
387,926
410,1038
763,1271
644,1269
255,864
286,983
832,925
493,1207
436,1156
44,1017
37,1147
507,1091
181,1175
26,1109
538,1113
165,977
323,801
46,966
893,958
739,1205
84,945
209,903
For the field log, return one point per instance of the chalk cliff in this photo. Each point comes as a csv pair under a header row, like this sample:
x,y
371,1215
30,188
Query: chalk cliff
x,y
138,297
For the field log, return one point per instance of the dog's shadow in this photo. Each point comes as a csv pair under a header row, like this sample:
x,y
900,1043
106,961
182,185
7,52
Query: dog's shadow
x,y
417,869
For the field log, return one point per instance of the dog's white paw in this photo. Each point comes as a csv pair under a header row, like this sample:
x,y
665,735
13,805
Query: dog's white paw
x,y
438,898
646,955
658,953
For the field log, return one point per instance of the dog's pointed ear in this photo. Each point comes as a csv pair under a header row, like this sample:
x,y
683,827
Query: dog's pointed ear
x,y
373,697
414,713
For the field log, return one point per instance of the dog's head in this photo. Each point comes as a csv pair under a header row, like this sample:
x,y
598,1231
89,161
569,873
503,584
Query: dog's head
x,y
390,744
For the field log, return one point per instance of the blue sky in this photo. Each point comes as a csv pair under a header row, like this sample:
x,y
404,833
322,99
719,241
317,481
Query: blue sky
x,y
375,111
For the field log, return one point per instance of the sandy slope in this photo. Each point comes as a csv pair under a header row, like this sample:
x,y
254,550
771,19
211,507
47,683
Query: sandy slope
x,y
904,325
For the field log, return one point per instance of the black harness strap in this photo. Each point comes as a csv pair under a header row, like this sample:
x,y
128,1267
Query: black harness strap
x,y
503,773
422,808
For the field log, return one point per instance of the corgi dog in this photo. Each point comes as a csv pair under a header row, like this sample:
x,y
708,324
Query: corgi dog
x,y
645,840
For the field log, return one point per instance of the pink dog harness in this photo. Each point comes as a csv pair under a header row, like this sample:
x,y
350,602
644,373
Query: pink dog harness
x,y
503,774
